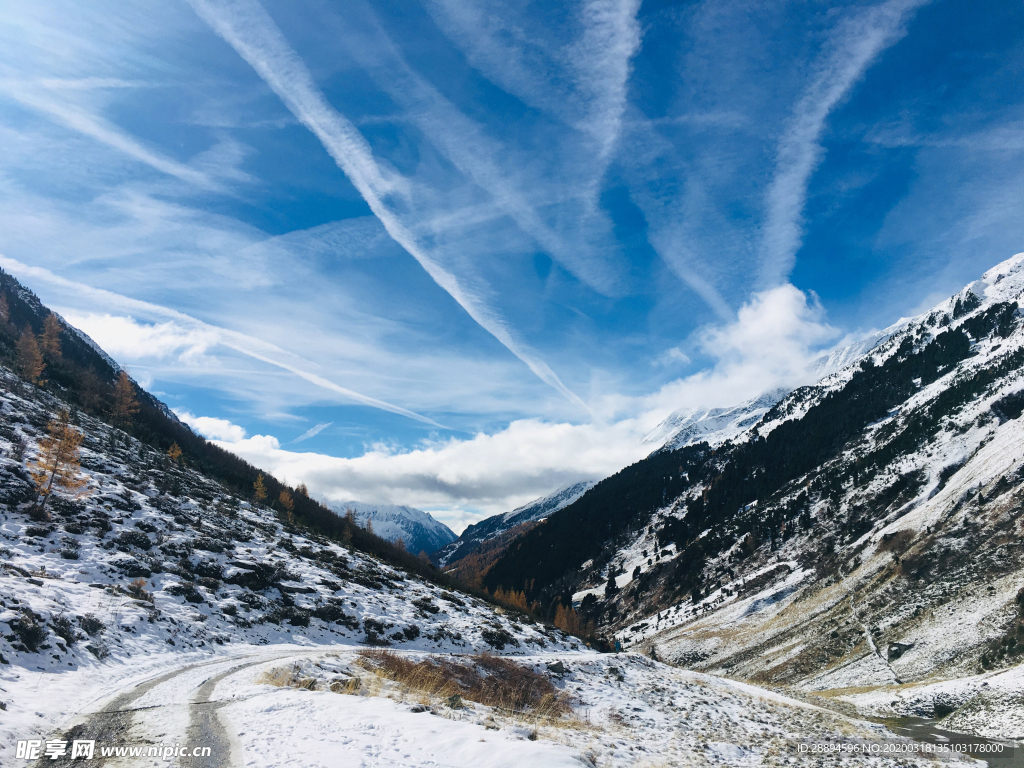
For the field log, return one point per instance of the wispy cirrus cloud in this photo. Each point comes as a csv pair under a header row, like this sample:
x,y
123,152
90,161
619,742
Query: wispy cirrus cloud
x,y
854,45
247,27
514,184
582,80
184,331
45,98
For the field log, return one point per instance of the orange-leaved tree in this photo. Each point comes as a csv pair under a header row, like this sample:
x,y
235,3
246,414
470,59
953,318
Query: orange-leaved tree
x,y
287,504
174,453
30,359
259,490
51,337
126,405
57,465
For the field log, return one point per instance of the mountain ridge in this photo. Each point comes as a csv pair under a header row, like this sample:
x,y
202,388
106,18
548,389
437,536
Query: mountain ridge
x,y
875,482
417,530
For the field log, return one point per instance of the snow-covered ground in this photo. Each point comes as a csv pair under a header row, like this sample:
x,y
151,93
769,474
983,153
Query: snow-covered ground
x,y
626,711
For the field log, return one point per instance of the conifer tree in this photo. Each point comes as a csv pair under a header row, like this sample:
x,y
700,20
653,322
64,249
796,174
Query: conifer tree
x,y
58,463
369,525
30,359
126,405
259,490
5,309
302,490
286,503
51,337
174,452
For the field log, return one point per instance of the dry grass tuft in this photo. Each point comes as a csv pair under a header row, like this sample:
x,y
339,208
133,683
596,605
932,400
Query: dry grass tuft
x,y
291,677
489,680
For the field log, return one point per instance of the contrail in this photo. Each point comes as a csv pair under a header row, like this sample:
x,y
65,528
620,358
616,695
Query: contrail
x,y
246,345
858,43
247,28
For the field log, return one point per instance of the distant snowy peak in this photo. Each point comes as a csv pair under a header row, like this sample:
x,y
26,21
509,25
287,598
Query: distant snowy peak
x,y
1003,283
711,425
495,526
540,508
416,528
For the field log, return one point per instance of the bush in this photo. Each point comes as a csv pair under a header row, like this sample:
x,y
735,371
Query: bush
x,y
375,632
498,637
133,538
210,569
63,628
29,630
137,589
260,576
188,591
332,611
426,605
486,679
91,625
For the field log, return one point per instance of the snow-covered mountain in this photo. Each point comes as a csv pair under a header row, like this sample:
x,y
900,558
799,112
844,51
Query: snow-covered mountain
x,y
711,425
497,525
166,606
418,531
864,532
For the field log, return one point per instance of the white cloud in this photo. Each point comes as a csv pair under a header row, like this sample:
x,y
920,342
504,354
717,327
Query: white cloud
x,y
81,120
771,343
672,357
212,428
125,338
487,473
173,331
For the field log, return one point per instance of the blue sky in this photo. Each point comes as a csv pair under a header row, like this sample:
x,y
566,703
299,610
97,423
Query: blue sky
x,y
456,253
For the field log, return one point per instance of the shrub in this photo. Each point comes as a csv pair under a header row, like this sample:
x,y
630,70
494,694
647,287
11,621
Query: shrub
x,y
137,589
29,630
133,538
90,624
498,637
426,605
260,576
332,611
897,541
488,680
211,569
375,632
188,591
63,628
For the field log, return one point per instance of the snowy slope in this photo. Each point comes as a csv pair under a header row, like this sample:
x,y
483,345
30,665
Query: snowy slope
x,y
864,532
496,525
160,609
154,611
418,531
711,425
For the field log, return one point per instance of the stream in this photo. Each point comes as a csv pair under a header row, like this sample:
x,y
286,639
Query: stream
x,y
925,730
